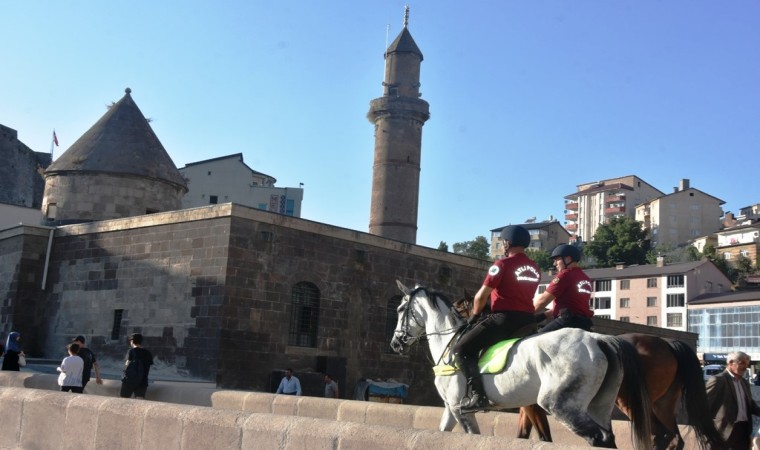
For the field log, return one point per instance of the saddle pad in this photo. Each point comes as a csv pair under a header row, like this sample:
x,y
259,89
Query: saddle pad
x,y
494,359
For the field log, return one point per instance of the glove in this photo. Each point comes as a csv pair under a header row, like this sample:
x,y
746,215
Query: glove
x,y
540,317
475,318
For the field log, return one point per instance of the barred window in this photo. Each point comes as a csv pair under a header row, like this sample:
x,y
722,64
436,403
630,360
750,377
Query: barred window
x,y
651,282
651,301
304,317
625,284
625,302
652,321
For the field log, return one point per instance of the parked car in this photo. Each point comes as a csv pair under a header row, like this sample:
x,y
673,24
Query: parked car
x,y
712,369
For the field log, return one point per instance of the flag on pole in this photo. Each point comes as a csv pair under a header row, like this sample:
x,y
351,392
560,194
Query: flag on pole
x,y
55,138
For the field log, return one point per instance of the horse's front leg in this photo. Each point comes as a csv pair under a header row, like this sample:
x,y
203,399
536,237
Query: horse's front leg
x,y
447,420
468,422
451,416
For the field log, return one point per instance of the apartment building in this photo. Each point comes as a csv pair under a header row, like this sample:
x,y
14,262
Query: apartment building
x,y
228,179
740,240
596,202
652,294
543,236
681,216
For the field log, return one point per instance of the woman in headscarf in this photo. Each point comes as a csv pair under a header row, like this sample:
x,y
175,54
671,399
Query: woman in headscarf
x,y
12,350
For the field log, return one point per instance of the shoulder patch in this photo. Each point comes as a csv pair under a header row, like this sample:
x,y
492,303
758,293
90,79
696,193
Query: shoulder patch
x,y
493,270
555,280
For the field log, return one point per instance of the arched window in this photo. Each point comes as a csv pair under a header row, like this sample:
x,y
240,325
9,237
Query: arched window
x,y
391,318
304,318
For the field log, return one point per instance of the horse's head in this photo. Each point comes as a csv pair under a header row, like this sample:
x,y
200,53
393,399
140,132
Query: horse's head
x,y
411,319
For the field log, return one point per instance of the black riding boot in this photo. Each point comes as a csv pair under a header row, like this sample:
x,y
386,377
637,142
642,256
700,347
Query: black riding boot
x,y
477,400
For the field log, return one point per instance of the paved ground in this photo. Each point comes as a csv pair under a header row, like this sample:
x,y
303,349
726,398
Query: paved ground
x,y
111,370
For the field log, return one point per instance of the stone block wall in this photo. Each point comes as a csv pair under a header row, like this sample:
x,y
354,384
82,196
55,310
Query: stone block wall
x,y
211,290
21,182
22,262
101,196
355,274
159,276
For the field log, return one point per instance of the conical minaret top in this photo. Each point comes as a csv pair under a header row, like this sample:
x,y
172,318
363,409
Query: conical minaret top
x,y
398,117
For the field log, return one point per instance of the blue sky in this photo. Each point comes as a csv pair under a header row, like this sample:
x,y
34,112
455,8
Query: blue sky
x,y
528,98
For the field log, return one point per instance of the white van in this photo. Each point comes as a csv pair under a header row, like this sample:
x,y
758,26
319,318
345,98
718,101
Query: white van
x,y
712,369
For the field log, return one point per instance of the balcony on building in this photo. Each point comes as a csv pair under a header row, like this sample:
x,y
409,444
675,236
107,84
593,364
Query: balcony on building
x,y
614,210
615,198
572,206
571,227
573,216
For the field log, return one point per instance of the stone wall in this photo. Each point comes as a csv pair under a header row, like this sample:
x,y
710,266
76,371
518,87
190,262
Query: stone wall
x,y
22,261
211,290
84,197
21,183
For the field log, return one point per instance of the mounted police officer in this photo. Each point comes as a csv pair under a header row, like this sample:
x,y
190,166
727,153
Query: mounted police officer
x,y
570,291
510,285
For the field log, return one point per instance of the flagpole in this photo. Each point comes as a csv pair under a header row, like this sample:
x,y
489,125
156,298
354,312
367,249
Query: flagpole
x,y
52,143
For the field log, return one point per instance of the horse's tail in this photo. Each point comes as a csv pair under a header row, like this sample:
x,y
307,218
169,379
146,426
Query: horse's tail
x,y
694,396
634,387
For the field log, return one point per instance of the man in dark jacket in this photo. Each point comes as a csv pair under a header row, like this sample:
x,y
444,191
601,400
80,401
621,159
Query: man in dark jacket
x,y
731,404
138,362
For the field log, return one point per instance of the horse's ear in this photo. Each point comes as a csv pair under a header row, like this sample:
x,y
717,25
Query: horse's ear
x,y
403,288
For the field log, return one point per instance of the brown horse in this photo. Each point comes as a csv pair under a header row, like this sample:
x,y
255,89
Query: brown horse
x,y
672,372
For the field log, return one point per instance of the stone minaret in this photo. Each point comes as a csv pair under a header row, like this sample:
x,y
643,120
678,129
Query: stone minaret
x,y
398,117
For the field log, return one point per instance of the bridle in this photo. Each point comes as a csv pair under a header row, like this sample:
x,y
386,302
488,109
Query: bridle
x,y
403,335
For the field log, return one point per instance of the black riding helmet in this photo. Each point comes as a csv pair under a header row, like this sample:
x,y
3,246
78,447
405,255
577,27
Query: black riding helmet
x,y
516,235
567,250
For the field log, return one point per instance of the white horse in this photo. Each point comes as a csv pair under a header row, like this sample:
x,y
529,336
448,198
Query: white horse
x,y
573,374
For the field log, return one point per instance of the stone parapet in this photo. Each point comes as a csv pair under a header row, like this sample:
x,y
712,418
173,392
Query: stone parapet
x,y
190,413
45,419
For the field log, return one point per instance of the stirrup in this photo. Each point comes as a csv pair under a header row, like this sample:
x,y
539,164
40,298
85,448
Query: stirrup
x,y
473,405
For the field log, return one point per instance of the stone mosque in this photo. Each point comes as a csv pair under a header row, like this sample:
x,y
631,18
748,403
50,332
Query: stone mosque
x,y
224,292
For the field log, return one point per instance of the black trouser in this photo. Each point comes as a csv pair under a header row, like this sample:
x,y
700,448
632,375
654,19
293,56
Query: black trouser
x,y
496,327
566,319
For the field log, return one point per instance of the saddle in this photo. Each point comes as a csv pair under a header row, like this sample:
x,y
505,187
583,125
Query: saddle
x,y
492,360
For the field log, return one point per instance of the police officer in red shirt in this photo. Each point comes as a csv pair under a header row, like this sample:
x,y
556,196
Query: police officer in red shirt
x,y
570,290
510,285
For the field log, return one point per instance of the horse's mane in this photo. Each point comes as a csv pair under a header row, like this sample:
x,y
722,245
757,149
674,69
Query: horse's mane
x,y
432,295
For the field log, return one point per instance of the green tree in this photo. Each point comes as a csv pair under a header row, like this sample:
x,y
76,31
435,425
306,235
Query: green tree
x,y
443,246
720,262
621,240
673,254
478,248
541,257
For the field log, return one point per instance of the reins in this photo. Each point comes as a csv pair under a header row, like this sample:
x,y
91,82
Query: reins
x,y
408,339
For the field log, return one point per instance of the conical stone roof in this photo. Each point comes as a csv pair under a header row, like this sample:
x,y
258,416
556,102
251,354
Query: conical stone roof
x,y
404,43
122,141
